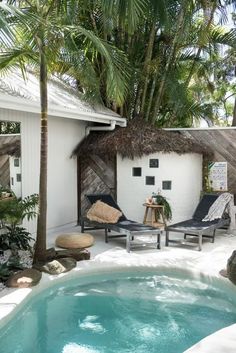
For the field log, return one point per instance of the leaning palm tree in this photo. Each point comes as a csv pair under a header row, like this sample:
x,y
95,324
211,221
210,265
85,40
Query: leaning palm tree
x,y
42,35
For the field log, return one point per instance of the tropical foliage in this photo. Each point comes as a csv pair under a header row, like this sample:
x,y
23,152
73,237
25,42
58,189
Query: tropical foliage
x,y
8,127
13,211
158,59
15,238
171,47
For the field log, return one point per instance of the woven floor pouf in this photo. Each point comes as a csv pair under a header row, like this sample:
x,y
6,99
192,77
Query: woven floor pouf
x,y
74,240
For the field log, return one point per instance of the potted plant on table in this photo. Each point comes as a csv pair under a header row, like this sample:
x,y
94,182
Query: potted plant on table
x,y
159,199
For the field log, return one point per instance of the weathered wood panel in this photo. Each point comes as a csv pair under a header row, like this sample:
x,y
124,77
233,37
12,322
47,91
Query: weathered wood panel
x,y
223,143
10,145
4,171
97,176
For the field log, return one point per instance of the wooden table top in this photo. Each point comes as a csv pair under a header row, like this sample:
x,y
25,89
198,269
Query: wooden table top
x,y
153,205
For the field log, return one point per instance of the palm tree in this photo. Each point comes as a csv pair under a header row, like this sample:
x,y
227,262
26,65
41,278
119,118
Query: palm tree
x,y
167,43
42,34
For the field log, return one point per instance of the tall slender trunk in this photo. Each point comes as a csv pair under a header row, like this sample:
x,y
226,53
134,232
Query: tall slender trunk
x,y
40,247
146,66
151,96
234,114
136,110
170,59
207,23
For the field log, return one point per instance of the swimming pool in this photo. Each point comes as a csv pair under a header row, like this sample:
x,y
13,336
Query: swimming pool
x,y
123,312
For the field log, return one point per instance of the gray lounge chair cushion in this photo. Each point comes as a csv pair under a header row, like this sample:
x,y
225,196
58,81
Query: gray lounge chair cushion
x,y
193,224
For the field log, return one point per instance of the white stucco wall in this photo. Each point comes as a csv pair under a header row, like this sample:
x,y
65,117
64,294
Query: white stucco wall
x,y
185,172
64,135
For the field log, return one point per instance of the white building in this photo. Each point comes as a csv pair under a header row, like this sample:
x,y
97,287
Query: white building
x,y
177,177
141,160
68,119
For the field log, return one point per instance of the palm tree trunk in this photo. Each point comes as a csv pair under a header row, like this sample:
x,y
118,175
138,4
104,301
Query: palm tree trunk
x,y
234,114
136,110
146,67
151,96
208,21
171,56
40,246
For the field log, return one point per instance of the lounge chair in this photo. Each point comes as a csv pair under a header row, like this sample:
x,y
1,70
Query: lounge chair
x,y
125,227
196,226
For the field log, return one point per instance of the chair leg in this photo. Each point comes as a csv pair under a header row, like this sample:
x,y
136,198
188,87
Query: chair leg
x,y
213,238
106,235
200,241
128,242
185,236
82,226
158,241
167,238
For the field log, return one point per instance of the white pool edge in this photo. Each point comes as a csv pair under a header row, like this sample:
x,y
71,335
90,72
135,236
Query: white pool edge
x,y
11,303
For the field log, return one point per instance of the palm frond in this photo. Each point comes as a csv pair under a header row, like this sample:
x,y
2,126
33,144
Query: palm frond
x,y
129,12
117,71
228,38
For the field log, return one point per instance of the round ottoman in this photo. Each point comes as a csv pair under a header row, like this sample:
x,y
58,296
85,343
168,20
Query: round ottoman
x,y
74,240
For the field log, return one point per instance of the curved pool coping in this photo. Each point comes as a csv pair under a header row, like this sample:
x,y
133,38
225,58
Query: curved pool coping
x,y
224,340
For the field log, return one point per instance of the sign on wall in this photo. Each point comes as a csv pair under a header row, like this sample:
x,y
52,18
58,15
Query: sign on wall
x,y
218,176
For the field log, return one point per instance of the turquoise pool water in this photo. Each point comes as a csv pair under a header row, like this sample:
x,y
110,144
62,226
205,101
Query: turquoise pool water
x,y
143,313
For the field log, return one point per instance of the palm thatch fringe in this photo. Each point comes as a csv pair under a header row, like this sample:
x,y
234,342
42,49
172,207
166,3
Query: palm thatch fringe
x,y
136,140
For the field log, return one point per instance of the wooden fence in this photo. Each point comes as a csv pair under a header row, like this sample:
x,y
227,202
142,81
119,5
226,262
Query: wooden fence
x,y
223,143
9,145
4,171
95,176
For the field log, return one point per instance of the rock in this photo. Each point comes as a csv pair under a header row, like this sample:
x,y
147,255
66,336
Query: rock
x,y
56,267
77,254
231,267
50,254
24,279
74,240
223,273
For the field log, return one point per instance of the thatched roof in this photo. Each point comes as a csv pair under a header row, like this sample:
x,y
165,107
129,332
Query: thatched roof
x,y
136,140
10,145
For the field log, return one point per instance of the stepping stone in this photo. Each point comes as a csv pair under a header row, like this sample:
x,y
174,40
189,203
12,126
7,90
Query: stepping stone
x,y
24,279
56,267
74,240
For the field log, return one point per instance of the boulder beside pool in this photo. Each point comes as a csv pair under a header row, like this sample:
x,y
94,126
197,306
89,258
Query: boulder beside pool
x,y
56,267
77,254
231,268
24,279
